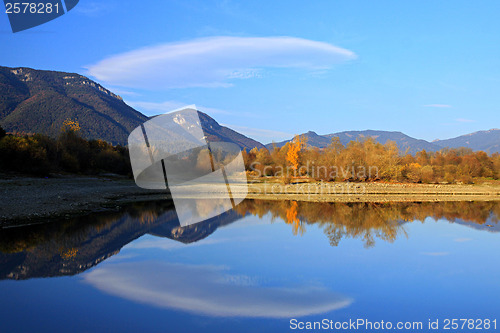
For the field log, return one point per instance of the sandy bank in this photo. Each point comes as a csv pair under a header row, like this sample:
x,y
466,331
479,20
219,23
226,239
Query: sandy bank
x,y
30,199
372,192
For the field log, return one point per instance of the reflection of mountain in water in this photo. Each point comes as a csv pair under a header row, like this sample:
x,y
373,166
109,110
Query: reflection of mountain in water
x,y
194,232
490,226
72,246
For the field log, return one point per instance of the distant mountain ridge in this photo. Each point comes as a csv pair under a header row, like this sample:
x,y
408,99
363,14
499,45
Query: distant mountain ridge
x,y
403,141
488,141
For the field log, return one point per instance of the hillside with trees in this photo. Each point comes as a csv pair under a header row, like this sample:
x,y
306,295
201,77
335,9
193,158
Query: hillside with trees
x,y
36,101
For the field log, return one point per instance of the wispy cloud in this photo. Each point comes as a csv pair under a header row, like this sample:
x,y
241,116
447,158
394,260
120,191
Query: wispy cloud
x,y
263,133
123,92
463,120
153,108
437,106
214,61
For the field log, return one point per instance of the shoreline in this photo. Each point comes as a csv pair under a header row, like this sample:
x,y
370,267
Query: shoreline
x,y
29,200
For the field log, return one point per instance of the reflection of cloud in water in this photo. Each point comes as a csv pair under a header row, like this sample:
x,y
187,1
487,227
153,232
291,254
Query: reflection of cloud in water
x,y
209,290
435,254
462,240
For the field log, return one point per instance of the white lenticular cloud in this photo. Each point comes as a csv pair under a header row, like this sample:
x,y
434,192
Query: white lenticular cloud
x,y
214,61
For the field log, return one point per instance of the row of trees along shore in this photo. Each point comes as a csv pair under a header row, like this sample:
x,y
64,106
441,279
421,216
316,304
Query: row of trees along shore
x,y
40,155
368,160
361,160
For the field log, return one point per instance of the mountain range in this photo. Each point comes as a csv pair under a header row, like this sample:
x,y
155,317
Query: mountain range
x,y
39,101
403,141
488,141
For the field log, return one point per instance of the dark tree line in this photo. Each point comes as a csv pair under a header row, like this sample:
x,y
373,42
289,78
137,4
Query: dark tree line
x,y
364,160
41,155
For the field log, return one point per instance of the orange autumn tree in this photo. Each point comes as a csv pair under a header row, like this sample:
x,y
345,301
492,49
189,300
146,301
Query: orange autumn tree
x,y
295,146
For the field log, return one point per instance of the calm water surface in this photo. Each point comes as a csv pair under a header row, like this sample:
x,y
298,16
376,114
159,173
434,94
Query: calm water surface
x,y
252,269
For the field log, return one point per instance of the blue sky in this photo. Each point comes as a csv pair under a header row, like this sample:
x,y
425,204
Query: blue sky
x,y
273,69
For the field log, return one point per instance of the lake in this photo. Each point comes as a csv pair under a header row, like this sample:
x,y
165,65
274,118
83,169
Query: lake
x,y
267,266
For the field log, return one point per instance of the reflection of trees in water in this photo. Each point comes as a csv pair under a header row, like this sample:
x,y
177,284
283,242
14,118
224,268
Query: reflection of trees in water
x,y
369,221
67,233
70,246
364,221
